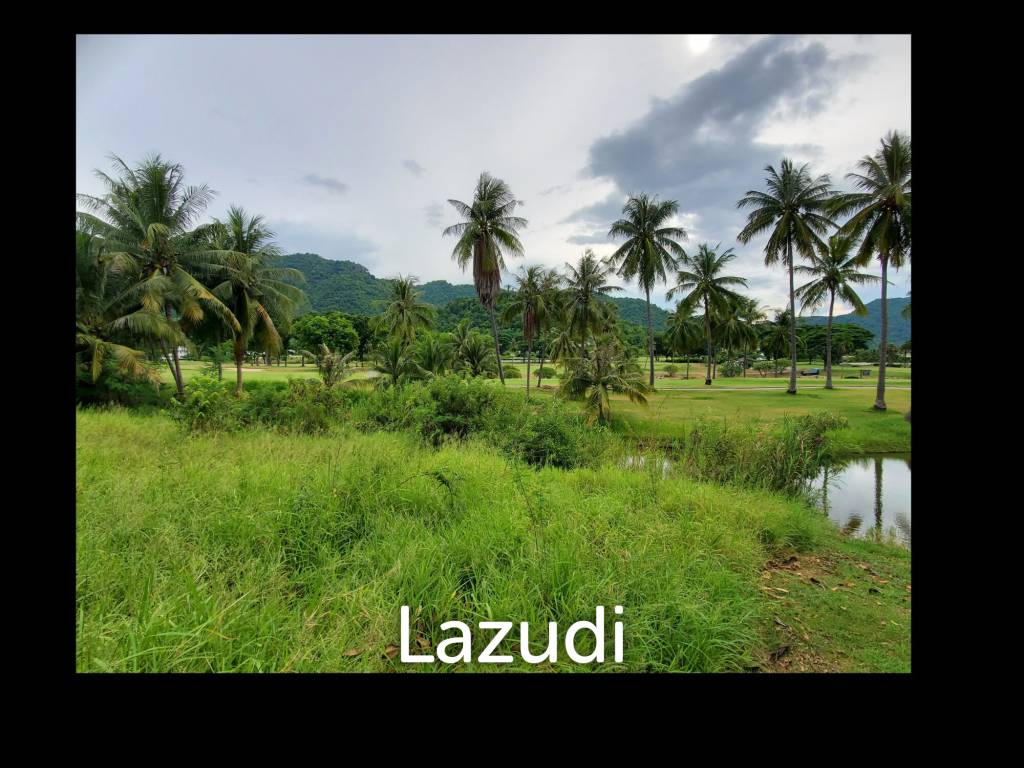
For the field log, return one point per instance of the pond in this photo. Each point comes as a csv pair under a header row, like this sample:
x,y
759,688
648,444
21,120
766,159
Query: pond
x,y
868,496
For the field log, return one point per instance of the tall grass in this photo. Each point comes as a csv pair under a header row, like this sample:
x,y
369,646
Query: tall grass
x,y
262,551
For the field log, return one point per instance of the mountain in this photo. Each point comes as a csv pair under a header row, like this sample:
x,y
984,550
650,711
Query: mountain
x,y
899,326
349,287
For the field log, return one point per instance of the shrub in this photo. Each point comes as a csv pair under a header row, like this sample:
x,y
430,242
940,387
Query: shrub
x,y
511,372
671,369
209,406
545,372
729,369
553,435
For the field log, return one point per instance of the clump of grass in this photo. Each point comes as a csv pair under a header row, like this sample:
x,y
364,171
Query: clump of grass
x,y
261,551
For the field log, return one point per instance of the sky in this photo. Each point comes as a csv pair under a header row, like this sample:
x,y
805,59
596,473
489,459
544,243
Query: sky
x,y
350,146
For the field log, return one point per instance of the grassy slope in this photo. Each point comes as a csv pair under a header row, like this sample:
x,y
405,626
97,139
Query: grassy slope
x,y
201,554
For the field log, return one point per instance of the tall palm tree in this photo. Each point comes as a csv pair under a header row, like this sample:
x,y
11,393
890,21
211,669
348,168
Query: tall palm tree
x,y
751,313
259,294
147,214
554,301
488,231
650,250
834,274
880,215
732,328
685,333
702,279
610,369
584,283
405,314
793,210
530,303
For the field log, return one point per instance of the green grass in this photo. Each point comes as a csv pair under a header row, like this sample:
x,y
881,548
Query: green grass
x,y
259,551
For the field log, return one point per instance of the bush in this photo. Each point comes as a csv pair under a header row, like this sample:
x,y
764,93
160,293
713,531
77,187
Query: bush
x,y
545,372
671,369
729,369
209,406
117,388
511,372
553,436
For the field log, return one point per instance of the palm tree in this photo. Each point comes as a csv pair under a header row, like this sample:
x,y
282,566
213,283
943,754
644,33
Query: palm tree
x,y
610,369
487,232
685,334
405,314
733,329
477,358
100,323
701,277
793,211
835,273
554,300
146,214
650,249
394,362
435,354
333,366
530,302
880,215
258,294
751,313
583,285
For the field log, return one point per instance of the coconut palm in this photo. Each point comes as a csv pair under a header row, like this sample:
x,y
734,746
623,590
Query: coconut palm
x,y
530,303
147,214
435,353
594,378
333,366
650,251
584,283
752,314
259,294
554,300
794,211
880,216
685,334
835,274
477,358
486,234
733,330
101,324
394,363
702,280
404,313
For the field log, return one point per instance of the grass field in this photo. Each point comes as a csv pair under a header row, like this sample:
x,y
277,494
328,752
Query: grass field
x,y
259,551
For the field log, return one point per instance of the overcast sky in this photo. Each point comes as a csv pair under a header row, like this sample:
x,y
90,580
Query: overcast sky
x,y
350,146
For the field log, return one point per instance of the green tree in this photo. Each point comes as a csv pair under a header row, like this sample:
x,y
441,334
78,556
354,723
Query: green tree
x,y
333,329
434,353
529,302
880,217
793,211
147,214
404,313
685,334
253,289
650,250
594,378
476,357
583,284
554,301
394,363
834,273
487,232
704,285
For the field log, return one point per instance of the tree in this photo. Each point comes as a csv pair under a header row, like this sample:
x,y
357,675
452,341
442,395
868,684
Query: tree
x,y
834,273
476,356
404,313
880,216
753,316
434,353
585,312
793,211
393,361
530,302
593,379
650,250
554,301
333,366
734,331
685,334
253,289
702,279
486,234
332,329
146,215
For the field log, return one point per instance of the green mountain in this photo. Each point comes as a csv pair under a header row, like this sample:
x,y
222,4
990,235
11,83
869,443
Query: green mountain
x,y
899,326
349,287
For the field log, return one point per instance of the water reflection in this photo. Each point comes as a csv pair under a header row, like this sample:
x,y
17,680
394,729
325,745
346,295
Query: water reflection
x,y
875,488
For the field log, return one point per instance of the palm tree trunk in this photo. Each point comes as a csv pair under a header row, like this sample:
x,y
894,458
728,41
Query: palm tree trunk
x,y
707,333
883,341
650,336
529,354
497,349
178,383
792,323
239,358
828,342
540,367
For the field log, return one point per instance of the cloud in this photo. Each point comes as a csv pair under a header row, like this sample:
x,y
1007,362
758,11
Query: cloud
x,y
413,167
701,146
304,237
595,237
435,214
332,185
559,188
